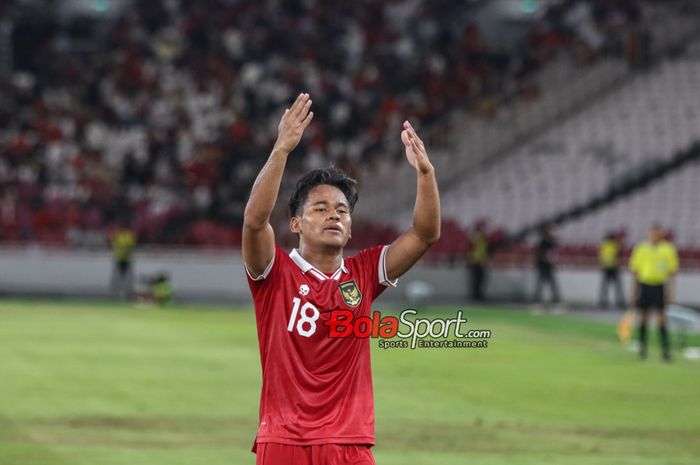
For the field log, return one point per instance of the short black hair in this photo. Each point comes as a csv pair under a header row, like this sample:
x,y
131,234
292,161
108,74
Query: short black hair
x,y
332,177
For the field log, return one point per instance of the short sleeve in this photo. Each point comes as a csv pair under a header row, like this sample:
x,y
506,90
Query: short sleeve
x,y
381,269
672,259
635,259
268,275
372,262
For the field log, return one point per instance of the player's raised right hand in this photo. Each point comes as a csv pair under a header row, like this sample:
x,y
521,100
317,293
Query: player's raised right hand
x,y
293,123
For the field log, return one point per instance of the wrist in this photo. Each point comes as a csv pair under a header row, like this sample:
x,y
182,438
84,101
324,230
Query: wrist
x,y
426,170
279,152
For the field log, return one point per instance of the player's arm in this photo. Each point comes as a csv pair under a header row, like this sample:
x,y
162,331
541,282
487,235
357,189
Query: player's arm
x,y
673,269
405,251
634,291
258,237
670,290
634,267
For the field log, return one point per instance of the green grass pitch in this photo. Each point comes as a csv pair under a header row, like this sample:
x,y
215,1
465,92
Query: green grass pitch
x,y
107,384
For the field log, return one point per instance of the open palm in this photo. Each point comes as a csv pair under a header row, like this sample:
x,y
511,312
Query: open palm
x,y
415,149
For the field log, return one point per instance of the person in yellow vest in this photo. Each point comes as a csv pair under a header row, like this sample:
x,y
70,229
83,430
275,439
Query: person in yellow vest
x,y
654,264
123,244
477,260
162,289
609,259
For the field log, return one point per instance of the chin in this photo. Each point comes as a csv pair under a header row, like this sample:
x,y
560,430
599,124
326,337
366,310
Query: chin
x,y
335,242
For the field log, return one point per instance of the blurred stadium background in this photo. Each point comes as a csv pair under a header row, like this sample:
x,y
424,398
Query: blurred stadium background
x,y
583,115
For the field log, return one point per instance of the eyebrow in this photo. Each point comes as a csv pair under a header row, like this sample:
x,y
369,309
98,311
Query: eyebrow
x,y
326,202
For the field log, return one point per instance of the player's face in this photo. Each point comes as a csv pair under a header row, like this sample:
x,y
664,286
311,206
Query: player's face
x,y
655,234
325,218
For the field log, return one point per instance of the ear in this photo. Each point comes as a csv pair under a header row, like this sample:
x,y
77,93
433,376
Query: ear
x,y
295,224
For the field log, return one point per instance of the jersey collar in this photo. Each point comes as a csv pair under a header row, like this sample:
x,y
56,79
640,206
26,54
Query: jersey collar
x,y
308,267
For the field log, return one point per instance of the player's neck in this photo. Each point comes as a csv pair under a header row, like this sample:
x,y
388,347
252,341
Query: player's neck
x,y
325,260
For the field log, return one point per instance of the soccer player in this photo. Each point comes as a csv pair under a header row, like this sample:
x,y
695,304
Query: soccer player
x,y
654,264
316,405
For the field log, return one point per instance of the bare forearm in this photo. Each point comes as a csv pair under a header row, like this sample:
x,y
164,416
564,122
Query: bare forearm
x,y
263,195
426,214
634,290
671,289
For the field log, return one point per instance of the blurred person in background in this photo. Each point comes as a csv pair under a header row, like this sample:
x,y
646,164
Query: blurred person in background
x,y
477,261
123,243
544,266
156,289
654,264
609,259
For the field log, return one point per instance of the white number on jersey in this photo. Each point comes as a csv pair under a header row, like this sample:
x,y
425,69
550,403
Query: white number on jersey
x,y
305,318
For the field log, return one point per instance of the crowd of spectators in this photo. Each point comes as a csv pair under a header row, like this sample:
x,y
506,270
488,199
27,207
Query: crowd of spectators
x,y
162,117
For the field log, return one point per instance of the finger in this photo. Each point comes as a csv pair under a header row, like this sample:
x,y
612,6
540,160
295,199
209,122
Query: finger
x,y
415,141
411,130
415,136
405,138
299,105
296,103
307,120
304,110
417,148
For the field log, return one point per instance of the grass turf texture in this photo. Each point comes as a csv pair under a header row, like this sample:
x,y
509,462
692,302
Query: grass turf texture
x,y
103,384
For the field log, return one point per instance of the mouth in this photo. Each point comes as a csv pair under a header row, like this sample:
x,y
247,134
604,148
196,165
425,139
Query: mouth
x,y
333,229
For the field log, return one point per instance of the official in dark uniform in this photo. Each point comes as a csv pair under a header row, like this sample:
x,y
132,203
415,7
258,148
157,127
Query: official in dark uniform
x,y
477,261
544,266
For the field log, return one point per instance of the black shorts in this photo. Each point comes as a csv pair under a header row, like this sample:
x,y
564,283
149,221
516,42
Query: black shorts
x,y
651,297
123,267
610,273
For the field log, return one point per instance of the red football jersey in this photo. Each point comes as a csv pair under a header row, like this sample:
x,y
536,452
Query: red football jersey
x,y
315,389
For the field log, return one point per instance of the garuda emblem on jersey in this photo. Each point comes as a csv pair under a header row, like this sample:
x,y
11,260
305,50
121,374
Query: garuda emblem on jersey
x,y
350,292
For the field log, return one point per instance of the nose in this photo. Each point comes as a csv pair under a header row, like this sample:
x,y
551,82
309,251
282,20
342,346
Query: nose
x,y
334,215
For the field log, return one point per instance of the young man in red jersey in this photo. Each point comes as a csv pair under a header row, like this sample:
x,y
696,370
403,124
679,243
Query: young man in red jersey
x,y
316,405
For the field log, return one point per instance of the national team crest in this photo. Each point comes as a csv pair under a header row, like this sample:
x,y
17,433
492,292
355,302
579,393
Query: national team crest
x,y
350,292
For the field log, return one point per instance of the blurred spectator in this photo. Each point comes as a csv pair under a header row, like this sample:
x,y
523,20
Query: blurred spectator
x,y
158,289
609,259
544,266
477,261
168,112
123,244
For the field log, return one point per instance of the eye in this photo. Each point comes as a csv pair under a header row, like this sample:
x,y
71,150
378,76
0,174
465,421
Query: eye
x,y
342,212
320,209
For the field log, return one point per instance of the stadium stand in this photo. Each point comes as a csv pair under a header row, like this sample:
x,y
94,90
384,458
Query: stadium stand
x,y
650,119
568,87
584,163
165,114
671,201
170,109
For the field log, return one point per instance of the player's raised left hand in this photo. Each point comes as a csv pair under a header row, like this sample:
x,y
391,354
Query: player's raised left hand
x,y
415,149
